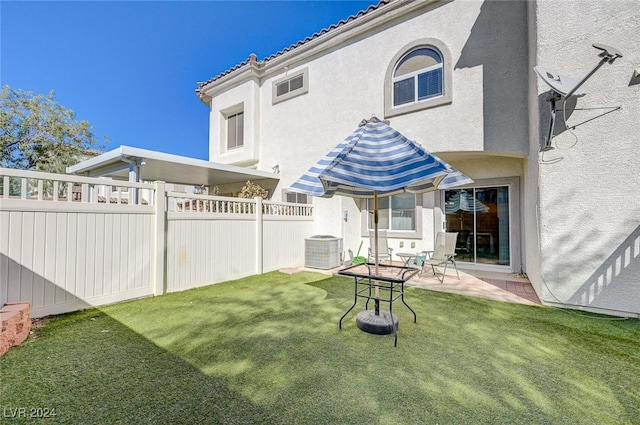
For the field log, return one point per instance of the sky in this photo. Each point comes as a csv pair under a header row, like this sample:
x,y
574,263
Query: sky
x,y
131,68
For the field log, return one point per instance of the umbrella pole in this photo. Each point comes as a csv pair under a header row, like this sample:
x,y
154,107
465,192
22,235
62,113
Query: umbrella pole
x,y
375,252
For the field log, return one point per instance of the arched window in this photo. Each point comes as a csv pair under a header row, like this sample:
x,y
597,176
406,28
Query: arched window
x,y
418,77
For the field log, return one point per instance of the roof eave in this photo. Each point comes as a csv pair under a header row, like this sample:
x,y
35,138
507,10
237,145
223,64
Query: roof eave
x,y
324,40
166,167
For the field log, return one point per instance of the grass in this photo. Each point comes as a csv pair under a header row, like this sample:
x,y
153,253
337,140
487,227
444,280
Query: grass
x,y
267,350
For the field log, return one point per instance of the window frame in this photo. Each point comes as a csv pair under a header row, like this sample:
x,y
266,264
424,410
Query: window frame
x,y
406,234
290,93
418,105
286,193
515,223
227,118
415,76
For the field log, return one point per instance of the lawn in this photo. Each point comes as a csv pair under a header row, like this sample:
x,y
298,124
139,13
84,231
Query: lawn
x,y
267,350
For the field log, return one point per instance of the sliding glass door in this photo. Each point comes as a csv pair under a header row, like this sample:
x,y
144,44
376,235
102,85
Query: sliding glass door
x,y
481,218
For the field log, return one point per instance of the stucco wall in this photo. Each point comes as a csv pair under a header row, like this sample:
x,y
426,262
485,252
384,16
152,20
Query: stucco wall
x,y
347,85
589,186
488,114
246,98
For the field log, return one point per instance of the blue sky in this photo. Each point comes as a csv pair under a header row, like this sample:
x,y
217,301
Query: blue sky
x,y
131,68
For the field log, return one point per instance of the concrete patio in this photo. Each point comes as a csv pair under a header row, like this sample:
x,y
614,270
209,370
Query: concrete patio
x,y
504,287
494,286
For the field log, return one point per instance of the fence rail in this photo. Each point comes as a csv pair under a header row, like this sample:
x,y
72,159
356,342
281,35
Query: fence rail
x,y
183,202
33,185
62,251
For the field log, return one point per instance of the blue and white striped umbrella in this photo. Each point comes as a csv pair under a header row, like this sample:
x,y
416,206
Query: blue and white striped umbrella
x,y
454,179
376,160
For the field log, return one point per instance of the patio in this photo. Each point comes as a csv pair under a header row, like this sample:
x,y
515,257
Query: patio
x,y
490,285
505,287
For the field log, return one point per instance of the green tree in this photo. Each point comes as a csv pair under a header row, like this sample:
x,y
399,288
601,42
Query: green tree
x,y
37,133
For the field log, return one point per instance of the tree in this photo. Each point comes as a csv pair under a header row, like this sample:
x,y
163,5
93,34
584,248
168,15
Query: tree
x,y
37,133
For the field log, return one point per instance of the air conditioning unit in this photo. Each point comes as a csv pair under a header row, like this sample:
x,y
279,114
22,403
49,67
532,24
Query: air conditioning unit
x,y
322,252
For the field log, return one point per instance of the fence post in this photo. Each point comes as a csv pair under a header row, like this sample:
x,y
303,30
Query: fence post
x,y
160,238
259,236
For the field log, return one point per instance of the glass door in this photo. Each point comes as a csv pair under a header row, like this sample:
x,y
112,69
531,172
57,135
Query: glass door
x,y
481,217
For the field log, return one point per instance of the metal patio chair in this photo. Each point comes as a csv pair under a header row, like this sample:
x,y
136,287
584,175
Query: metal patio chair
x,y
443,254
384,251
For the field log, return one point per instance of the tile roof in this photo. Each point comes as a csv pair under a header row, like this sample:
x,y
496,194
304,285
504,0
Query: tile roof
x,y
253,58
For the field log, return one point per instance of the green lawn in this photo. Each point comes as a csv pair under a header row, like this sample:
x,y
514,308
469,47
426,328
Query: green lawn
x,y
267,350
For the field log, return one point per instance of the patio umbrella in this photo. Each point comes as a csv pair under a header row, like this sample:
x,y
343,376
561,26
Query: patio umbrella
x,y
376,160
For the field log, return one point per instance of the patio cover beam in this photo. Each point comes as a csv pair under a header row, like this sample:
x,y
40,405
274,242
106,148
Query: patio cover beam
x,y
166,167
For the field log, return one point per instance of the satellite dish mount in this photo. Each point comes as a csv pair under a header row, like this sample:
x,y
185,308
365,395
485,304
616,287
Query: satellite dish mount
x,y
563,87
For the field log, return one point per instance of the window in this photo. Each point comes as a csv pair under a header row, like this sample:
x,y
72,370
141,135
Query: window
x,y
290,86
297,198
397,212
235,130
480,216
418,77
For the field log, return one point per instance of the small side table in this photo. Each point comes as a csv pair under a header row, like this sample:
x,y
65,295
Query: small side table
x,y
406,257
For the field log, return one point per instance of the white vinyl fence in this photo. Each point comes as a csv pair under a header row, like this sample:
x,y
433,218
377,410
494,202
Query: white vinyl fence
x,y
69,242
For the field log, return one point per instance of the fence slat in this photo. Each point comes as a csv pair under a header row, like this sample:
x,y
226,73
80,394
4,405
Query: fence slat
x,y
90,253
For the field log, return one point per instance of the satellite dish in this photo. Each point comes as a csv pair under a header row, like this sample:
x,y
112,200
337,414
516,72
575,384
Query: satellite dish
x,y
561,84
564,87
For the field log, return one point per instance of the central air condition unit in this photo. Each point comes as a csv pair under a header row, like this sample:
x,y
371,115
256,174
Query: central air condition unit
x,y
322,252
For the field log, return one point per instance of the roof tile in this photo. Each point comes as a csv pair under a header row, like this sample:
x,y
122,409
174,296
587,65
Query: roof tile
x,y
253,58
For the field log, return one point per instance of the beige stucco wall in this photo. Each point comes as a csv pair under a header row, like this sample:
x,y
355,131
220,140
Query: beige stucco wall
x,y
346,84
244,97
579,230
589,186
488,112
487,115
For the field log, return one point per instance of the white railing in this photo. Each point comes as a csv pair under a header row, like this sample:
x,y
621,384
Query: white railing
x,y
184,202
287,209
65,252
32,185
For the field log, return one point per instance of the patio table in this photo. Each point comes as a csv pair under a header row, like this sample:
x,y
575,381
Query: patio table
x,y
406,257
389,281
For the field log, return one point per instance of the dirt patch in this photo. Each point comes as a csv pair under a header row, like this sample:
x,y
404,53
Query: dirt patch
x,y
36,324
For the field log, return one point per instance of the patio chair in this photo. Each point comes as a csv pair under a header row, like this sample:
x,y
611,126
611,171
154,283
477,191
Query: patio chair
x,y
384,251
443,254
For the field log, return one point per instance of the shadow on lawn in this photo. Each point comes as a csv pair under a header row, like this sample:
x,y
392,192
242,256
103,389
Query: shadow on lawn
x,y
495,362
267,349
113,375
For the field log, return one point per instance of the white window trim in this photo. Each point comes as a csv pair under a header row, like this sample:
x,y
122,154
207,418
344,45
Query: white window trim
x,y
432,102
515,224
291,94
237,146
285,192
224,127
414,75
405,234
